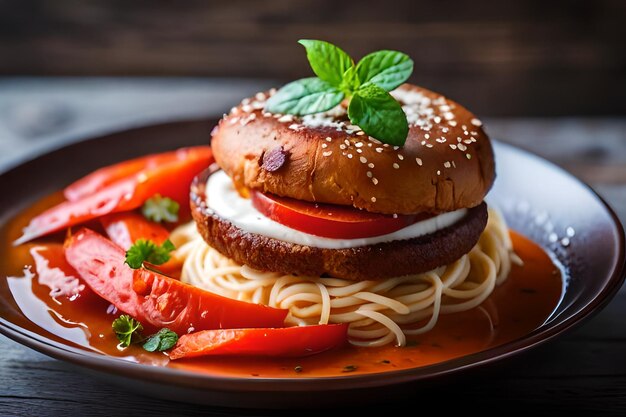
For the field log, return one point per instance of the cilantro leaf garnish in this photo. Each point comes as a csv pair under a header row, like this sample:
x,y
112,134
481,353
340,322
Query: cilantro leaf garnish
x,y
366,84
164,339
147,251
160,209
125,327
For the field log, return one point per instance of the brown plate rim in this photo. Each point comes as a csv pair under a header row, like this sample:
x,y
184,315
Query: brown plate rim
x,y
195,380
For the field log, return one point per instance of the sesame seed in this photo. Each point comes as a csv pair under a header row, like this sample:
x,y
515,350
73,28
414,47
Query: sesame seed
x,y
448,116
453,146
438,172
360,133
359,150
379,150
260,96
324,145
426,136
347,142
369,174
468,141
395,165
233,120
363,160
445,107
419,161
447,164
373,199
465,132
441,140
329,139
423,142
247,108
369,144
452,123
266,114
429,145
476,122
370,165
349,156
400,157
375,181
437,119
468,156
327,153
394,215
459,139
474,133
294,126
358,144
445,129
464,127
395,148
462,147
342,146
245,101
453,164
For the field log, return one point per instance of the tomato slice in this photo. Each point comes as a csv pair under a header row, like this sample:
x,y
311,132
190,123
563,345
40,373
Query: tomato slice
x,y
329,220
124,229
54,272
103,177
155,299
285,342
170,180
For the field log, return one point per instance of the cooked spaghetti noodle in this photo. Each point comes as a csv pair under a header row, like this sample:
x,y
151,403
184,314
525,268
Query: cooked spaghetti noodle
x,y
378,311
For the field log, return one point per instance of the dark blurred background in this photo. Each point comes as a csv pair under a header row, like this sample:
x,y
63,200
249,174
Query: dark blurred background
x,y
500,58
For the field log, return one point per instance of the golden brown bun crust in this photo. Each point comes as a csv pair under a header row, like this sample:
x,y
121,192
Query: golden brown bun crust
x,y
446,163
382,260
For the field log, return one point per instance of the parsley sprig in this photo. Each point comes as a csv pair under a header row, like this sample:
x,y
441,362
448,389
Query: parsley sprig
x,y
128,331
126,328
366,84
144,250
160,209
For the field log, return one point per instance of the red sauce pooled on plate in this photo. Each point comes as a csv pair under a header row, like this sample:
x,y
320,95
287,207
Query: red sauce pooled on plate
x,y
515,308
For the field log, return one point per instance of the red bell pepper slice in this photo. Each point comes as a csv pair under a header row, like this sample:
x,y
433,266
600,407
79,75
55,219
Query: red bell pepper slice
x,y
155,299
285,342
108,175
124,229
170,180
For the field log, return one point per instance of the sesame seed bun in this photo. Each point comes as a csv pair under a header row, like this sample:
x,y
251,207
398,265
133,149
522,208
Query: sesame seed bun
x,y
446,163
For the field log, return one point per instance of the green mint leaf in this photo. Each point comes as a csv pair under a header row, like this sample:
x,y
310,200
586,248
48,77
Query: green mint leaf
x,y
304,96
125,327
350,82
386,69
379,115
147,251
328,61
164,339
160,209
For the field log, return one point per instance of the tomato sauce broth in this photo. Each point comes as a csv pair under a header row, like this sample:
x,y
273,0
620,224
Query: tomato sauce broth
x,y
515,308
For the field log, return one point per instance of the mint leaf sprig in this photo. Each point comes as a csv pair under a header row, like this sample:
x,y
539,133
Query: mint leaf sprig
x,y
366,84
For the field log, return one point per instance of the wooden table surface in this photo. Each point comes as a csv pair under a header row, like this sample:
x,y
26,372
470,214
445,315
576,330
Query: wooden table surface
x,y
583,371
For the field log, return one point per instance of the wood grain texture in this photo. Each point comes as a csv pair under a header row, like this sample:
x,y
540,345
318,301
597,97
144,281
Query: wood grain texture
x,y
509,58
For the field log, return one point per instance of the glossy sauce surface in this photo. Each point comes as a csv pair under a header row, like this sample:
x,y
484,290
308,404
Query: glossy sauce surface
x,y
518,306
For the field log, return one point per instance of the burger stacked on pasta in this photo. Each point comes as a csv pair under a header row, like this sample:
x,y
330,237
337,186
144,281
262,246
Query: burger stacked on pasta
x,y
311,214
